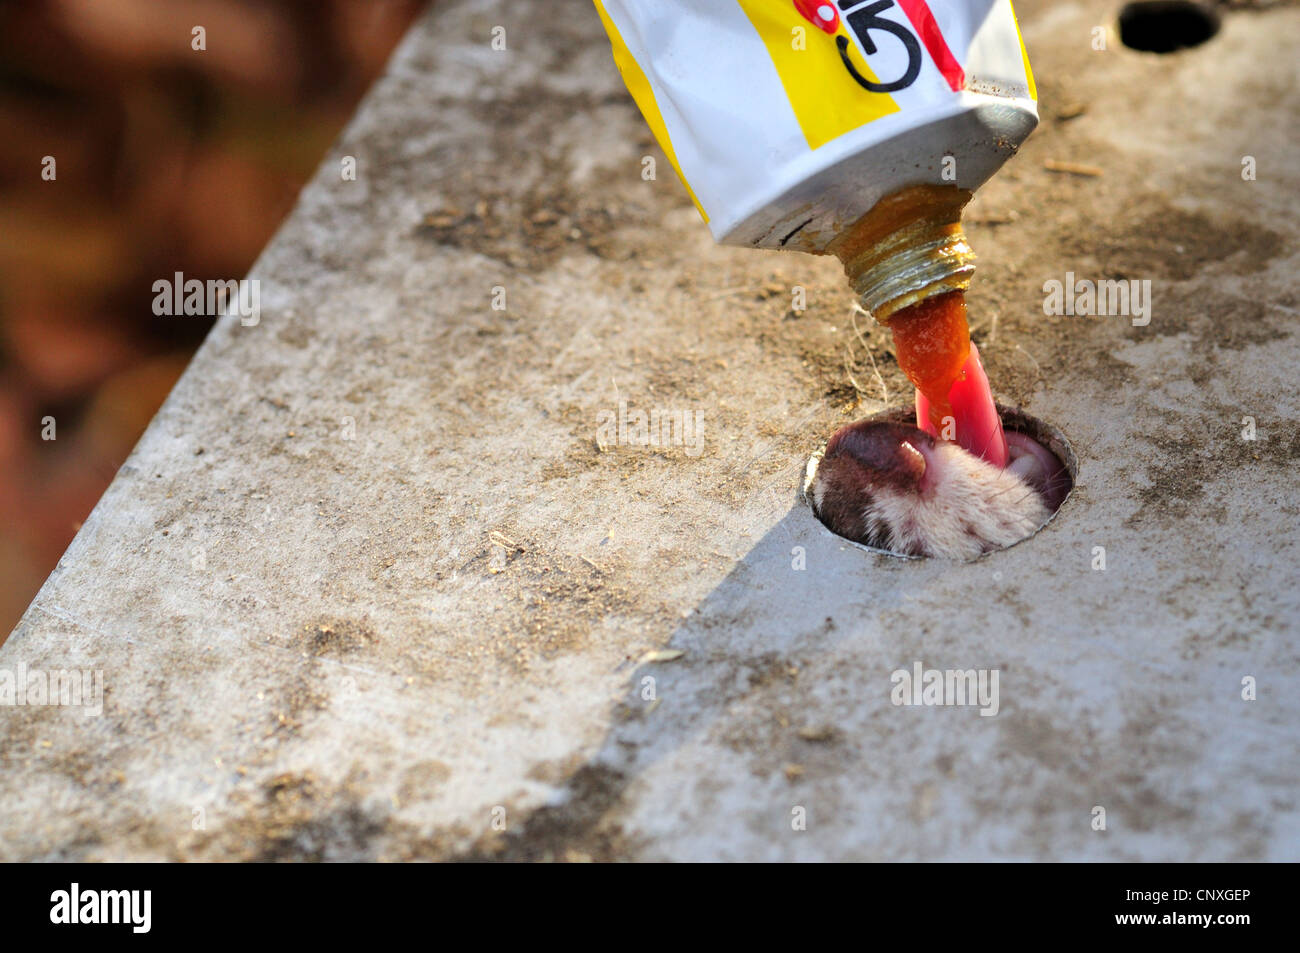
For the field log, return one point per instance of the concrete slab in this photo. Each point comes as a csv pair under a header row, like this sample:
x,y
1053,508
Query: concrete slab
x,y
371,587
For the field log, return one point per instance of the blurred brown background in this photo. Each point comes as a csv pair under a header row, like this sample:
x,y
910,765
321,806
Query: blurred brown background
x,y
167,159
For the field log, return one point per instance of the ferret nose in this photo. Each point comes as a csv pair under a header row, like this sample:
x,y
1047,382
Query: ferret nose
x,y
895,452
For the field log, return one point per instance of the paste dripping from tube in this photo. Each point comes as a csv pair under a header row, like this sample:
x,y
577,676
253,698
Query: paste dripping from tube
x,y
932,343
909,261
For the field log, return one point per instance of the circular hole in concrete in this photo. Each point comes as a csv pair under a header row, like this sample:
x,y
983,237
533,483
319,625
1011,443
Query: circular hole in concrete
x,y
869,517
1163,26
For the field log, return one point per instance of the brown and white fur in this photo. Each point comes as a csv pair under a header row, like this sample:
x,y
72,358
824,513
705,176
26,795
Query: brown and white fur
x,y
895,487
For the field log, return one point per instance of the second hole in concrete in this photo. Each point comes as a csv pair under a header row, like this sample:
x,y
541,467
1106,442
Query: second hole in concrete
x,y
1163,26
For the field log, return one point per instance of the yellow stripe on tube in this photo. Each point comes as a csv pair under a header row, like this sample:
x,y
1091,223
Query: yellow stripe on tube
x,y
1024,55
639,86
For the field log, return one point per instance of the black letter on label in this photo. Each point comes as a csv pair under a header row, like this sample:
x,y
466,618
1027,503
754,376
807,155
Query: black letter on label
x,y
862,22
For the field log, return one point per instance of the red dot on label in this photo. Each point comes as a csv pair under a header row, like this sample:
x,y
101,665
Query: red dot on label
x,y
819,13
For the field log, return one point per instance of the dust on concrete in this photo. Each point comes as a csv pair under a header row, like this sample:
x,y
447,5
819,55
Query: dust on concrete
x,y
1187,459
531,232
583,828
1161,240
296,817
334,636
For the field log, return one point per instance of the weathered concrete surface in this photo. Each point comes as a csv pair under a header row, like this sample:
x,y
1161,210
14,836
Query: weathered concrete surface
x,y
362,648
